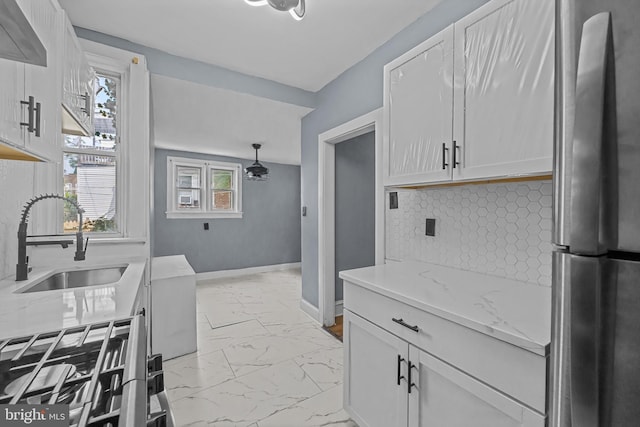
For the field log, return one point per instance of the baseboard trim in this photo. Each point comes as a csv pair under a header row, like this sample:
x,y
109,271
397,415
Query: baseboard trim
x,y
339,307
208,275
310,310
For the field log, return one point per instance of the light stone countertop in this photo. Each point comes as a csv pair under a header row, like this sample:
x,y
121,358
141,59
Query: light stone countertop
x,y
515,312
167,267
30,313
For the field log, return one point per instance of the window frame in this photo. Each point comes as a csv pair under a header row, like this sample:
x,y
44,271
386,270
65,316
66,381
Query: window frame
x,y
205,209
103,67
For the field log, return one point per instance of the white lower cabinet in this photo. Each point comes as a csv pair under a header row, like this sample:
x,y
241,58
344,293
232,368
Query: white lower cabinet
x,y
375,384
441,395
390,382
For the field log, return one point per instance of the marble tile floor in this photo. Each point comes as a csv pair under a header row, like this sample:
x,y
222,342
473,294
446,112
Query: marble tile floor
x,y
261,361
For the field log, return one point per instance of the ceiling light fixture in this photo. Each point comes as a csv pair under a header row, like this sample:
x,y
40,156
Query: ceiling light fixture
x,y
256,172
295,7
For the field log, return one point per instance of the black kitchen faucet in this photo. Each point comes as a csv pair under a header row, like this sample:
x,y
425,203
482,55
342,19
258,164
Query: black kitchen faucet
x,y
22,267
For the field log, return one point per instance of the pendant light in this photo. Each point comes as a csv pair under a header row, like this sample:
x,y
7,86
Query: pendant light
x,y
256,172
295,7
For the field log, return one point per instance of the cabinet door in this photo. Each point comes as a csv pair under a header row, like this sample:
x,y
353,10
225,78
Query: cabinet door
x,y
43,82
76,93
503,119
418,108
445,396
11,93
372,395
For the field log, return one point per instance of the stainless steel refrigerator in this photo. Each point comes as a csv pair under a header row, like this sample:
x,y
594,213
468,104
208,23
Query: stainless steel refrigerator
x,y
595,354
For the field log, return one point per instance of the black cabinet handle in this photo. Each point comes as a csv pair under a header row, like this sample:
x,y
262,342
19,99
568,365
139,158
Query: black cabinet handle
x,y
400,360
406,325
87,103
30,109
409,383
455,156
444,155
36,130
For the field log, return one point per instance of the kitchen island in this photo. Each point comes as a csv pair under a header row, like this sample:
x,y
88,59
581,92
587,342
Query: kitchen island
x,y
444,346
35,312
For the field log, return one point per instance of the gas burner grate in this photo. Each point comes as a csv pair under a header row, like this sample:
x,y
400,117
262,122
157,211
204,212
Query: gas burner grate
x,y
87,368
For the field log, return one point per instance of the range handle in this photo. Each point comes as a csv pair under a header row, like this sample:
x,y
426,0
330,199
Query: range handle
x,y
165,414
592,120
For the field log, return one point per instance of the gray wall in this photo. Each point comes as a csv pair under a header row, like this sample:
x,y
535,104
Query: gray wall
x,y
267,234
355,92
355,205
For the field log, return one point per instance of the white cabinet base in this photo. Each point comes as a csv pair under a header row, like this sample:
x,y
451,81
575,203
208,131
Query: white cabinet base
x,y
173,307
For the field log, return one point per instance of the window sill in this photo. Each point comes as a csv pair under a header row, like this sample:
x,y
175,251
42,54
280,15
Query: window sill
x,y
203,215
114,240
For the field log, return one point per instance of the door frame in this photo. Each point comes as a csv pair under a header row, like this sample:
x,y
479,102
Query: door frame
x,y
371,121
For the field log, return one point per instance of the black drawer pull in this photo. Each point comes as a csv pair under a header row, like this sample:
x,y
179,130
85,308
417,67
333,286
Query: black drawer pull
x,y
406,325
400,360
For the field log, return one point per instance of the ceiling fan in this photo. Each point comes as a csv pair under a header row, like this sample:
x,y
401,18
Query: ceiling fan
x,y
294,7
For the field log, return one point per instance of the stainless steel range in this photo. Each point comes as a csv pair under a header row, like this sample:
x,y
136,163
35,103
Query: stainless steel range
x,y
101,371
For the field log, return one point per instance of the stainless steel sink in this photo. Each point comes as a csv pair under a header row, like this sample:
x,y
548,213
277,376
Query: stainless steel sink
x,y
77,279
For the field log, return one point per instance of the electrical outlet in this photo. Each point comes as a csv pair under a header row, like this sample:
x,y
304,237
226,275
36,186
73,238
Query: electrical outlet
x,y
430,228
206,225
393,200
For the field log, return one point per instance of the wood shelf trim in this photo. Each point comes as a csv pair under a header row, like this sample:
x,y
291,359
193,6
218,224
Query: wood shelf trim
x,y
478,182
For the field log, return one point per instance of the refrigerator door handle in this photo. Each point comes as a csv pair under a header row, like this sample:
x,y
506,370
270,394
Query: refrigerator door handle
x,y
587,170
586,319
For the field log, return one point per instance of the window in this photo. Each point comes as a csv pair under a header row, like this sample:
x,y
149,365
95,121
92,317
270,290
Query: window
x,y
203,189
90,164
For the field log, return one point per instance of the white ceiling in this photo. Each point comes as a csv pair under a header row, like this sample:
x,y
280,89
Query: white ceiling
x,y
193,117
259,41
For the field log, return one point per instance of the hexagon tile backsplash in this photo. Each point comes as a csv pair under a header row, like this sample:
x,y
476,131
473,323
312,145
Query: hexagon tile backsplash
x,y
499,229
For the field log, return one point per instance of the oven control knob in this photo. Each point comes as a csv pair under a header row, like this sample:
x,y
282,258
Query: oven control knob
x,y
154,363
158,419
155,383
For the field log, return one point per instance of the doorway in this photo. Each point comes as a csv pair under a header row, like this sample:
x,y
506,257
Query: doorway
x,y
365,124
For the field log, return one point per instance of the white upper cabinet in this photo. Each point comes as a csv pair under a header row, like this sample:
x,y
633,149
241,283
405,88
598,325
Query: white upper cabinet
x,y
32,96
29,112
18,40
42,83
476,100
418,108
503,120
11,93
77,87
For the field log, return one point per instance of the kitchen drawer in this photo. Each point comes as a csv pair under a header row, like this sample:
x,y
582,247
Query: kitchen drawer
x,y
515,371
